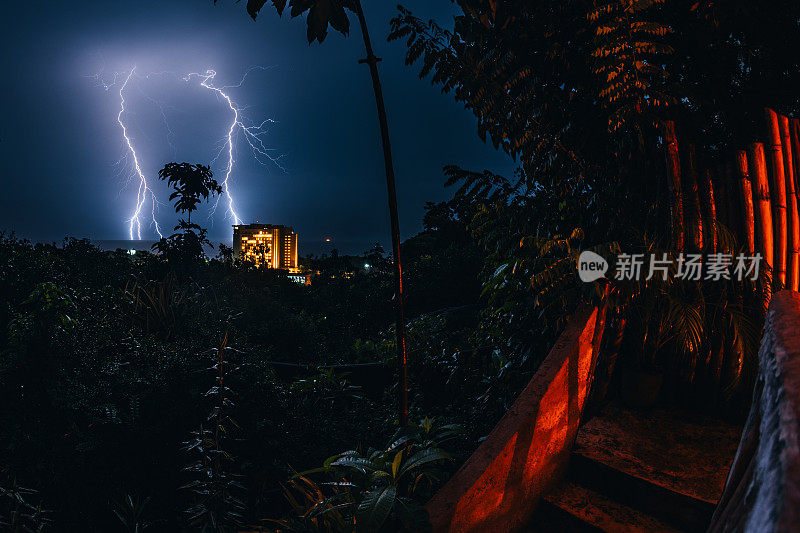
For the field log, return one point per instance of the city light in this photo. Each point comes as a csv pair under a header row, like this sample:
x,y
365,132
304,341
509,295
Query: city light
x,y
272,246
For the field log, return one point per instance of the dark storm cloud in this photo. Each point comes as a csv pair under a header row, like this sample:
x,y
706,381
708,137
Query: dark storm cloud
x,y
60,138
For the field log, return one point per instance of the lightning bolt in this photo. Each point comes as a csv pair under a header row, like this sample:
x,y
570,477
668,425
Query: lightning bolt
x,y
252,134
144,189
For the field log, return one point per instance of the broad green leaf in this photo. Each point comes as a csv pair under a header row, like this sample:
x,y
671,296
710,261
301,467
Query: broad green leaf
x,y
423,457
374,509
356,462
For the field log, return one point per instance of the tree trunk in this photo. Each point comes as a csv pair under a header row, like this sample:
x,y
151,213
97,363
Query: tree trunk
x,y
710,210
746,190
674,184
694,217
778,196
762,195
793,263
400,320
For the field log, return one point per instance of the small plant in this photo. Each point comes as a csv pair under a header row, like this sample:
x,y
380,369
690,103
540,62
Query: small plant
x,y
17,513
215,506
48,307
379,489
325,388
159,306
225,253
131,513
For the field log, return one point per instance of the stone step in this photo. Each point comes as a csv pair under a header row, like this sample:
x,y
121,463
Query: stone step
x,y
678,510
668,464
682,452
571,508
663,470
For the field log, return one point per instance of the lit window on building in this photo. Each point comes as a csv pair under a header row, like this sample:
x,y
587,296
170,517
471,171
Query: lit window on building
x,y
272,246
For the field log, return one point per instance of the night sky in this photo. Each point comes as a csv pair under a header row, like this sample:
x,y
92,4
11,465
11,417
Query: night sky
x,y
61,145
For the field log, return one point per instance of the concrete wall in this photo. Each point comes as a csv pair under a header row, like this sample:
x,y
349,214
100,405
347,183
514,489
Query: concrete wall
x,y
499,486
762,492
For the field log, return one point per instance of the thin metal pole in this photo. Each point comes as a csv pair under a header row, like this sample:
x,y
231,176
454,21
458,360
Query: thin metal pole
x,y
400,320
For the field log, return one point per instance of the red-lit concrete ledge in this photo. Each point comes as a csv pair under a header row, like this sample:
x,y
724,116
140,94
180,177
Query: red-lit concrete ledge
x,y
762,492
497,489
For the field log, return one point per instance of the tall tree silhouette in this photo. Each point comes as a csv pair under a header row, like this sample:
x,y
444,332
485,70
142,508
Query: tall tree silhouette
x,y
191,184
333,13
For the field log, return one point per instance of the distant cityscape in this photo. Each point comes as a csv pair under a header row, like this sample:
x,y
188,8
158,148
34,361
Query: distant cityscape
x,y
317,247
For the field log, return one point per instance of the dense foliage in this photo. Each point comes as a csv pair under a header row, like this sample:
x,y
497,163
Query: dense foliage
x,y
380,490
583,94
174,392
109,409
579,90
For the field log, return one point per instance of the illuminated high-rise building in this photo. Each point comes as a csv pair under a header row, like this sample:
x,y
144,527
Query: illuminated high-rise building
x,y
266,244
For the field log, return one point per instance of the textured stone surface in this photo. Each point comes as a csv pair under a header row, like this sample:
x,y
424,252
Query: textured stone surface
x,y
603,513
763,490
631,471
679,451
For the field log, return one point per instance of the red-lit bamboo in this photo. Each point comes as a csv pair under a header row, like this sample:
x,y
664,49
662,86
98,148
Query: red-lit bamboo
x,y
794,143
746,192
794,133
793,261
777,196
722,194
734,221
710,210
694,218
674,185
758,163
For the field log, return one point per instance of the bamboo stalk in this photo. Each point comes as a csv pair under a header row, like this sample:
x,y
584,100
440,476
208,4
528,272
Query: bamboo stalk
x,y
674,185
733,216
710,210
793,263
694,218
762,199
778,196
734,219
794,131
794,143
746,191
721,195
